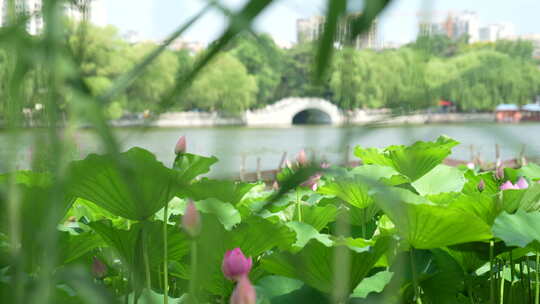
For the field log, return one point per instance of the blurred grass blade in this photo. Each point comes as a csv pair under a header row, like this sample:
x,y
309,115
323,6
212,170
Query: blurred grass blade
x,y
362,22
336,9
125,80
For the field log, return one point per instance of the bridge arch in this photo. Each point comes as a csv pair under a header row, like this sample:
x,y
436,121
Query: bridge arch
x,y
284,112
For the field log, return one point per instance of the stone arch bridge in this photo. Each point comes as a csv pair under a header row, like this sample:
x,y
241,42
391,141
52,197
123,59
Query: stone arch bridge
x,y
291,110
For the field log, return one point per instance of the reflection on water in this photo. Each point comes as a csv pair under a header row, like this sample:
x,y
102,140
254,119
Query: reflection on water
x,y
230,143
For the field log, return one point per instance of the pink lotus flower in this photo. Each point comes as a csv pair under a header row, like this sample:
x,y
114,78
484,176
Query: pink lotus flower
x,y
312,182
180,145
191,221
508,186
244,293
235,264
301,158
522,183
99,269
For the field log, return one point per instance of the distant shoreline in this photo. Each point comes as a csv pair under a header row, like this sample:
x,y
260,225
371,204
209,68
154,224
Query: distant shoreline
x,y
202,119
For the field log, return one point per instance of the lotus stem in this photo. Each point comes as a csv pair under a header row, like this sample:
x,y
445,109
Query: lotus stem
x,y
491,274
502,284
510,292
126,298
160,281
522,280
298,206
364,223
529,287
537,281
146,261
192,281
415,279
135,298
165,256
469,287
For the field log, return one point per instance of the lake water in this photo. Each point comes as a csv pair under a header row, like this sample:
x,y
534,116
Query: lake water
x,y
268,144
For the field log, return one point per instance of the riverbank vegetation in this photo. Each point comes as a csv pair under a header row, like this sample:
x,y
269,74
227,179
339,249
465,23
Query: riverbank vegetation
x,y
253,72
402,228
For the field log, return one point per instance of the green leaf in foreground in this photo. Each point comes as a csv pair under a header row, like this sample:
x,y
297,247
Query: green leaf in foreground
x,y
519,229
314,264
224,190
441,179
412,161
274,286
426,225
188,166
137,191
375,283
226,213
526,199
305,233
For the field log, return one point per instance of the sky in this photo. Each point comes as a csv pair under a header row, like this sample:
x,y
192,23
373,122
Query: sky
x,y
155,19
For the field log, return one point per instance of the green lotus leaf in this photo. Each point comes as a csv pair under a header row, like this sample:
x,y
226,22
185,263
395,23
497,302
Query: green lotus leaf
x,y
72,247
530,171
275,286
374,283
254,236
226,213
352,190
188,166
526,199
305,233
315,264
441,179
518,229
491,186
426,225
135,187
227,191
319,216
412,161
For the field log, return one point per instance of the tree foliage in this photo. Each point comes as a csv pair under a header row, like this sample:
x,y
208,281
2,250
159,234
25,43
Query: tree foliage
x,y
253,72
224,85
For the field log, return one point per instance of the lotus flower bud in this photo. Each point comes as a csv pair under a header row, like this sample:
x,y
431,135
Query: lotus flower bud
x,y
499,172
180,145
275,186
508,186
191,221
470,165
99,269
301,158
235,264
244,293
522,183
481,185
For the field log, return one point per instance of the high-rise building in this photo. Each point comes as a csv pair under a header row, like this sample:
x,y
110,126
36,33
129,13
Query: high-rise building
x,y
311,29
96,13
454,26
466,23
494,32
